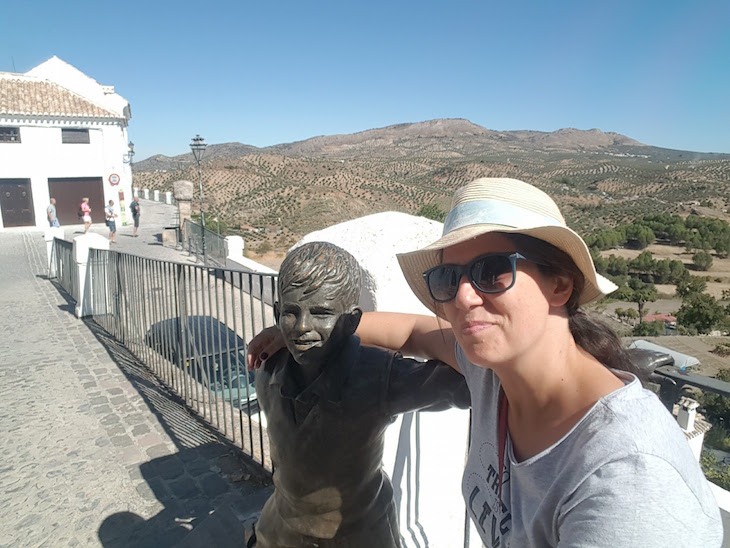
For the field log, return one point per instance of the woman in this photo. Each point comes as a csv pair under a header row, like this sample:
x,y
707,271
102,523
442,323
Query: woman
x,y
86,210
567,448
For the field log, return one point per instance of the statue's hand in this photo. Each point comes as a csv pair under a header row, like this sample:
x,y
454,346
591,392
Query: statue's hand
x,y
267,343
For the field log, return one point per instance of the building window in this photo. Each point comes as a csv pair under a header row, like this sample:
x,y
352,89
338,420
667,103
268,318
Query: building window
x,y
75,136
9,134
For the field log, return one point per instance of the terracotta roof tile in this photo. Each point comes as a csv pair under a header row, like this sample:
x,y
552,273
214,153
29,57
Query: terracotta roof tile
x,y
30,96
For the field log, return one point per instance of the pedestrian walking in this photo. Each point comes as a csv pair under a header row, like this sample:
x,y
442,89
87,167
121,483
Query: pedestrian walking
x,y
135,214
85,214
51,214
111,216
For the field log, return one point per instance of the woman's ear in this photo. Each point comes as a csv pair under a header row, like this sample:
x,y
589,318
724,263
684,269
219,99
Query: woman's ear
x,y
561,288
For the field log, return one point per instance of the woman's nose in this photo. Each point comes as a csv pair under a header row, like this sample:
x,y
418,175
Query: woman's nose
x,y
466,295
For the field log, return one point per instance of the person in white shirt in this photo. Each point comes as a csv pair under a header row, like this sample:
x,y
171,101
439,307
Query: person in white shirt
x,y
111,216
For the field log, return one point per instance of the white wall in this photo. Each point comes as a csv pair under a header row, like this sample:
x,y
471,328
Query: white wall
x,y
41,155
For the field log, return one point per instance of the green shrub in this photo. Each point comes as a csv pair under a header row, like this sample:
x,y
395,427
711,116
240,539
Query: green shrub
x,y
702,260
649,329
715,471
264,248
722,349
433,212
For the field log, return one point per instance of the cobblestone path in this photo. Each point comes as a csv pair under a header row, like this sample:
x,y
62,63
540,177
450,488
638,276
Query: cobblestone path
x,y
93,450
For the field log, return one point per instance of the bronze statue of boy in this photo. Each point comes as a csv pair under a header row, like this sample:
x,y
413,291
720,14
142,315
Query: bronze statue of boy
x,y
328,401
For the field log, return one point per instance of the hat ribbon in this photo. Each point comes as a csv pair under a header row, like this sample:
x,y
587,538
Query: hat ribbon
x,y
495,212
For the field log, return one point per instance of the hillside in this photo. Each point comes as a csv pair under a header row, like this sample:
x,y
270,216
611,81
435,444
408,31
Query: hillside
x,y
598,179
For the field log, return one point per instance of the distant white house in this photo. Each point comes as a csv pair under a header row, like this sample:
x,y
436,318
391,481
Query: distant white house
x,y
64,136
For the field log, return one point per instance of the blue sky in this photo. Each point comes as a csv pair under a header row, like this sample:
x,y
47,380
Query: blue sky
x,y
263,73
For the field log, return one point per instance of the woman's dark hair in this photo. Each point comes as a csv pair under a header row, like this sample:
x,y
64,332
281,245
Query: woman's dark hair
x,y
591,334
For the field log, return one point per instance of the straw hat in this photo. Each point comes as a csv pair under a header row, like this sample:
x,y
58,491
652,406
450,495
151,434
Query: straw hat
x,y
510,206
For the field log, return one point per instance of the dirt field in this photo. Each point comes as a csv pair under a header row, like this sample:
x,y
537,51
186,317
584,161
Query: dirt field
x,y
720,267
272,260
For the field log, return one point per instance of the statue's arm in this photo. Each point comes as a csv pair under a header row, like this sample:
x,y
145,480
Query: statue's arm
x,y
424,386
410,334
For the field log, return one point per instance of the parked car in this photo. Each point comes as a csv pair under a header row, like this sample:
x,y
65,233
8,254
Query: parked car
x,y
204,349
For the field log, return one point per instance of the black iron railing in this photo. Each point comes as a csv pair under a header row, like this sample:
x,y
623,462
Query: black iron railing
x,y
66,270
190,326
192,241
672,382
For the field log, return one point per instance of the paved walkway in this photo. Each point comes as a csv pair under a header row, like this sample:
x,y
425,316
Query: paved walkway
x,y
155,216
93,450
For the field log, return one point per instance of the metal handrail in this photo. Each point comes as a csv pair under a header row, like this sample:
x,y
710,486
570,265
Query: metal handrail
x,y
672,381
66,272
215,247
190,325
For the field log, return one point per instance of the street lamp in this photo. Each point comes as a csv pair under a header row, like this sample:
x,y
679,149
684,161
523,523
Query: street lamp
x,y
129,156
130,153
198,145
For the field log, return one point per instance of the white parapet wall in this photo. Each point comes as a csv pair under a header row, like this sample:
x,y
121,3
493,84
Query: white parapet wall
x,y
235,259
82,244
154,195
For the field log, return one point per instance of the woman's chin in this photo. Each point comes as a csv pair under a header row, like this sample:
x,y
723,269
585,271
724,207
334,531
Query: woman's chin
x,y
484,356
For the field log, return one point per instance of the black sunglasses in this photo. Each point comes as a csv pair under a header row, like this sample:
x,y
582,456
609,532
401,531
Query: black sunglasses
x,y
490,273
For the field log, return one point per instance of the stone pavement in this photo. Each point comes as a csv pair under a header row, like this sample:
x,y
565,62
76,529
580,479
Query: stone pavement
x,y
155,216
94,451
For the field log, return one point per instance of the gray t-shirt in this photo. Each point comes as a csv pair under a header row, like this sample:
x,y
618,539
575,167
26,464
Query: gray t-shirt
x,y
623,476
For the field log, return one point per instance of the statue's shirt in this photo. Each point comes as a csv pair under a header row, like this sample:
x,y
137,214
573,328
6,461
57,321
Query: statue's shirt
x,y
327,440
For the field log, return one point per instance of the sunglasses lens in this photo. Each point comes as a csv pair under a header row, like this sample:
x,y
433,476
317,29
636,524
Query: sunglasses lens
x,y
443,282
489,274
492,274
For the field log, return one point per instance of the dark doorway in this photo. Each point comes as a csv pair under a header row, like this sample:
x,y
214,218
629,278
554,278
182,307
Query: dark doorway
x,y
69,193
16,201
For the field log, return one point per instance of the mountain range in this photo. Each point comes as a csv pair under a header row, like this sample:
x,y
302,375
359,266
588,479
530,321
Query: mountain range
x,y
287,190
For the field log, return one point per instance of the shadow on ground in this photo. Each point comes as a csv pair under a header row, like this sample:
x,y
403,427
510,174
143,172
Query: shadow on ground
x,y
191,485
208,474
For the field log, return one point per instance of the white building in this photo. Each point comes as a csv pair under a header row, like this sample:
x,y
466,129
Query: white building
x,y
64,136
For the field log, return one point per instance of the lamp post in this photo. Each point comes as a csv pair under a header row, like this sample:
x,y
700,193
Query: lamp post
x,y
129,155
198,145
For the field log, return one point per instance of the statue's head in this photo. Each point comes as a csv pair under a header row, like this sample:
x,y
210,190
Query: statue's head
x,y
319,290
